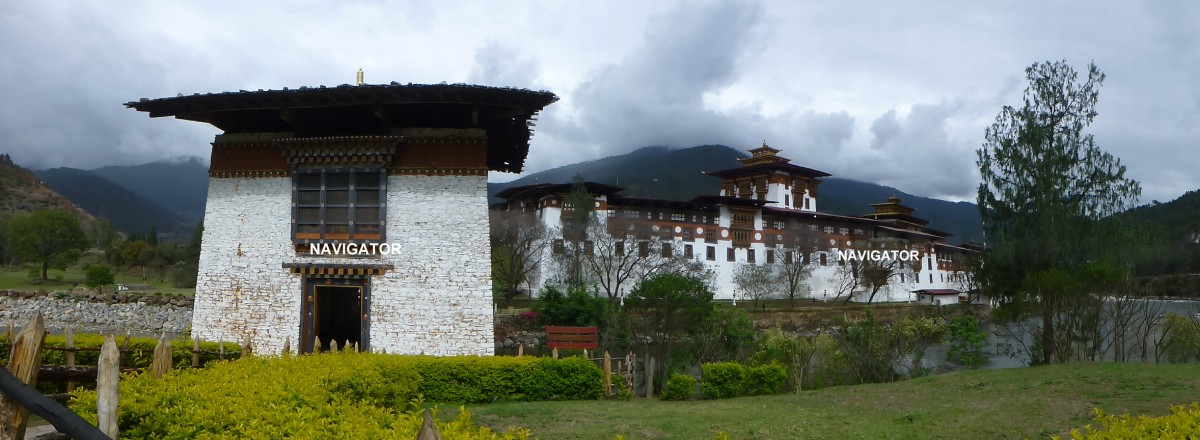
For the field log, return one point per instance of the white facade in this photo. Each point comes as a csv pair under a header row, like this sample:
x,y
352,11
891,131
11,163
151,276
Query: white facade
x,y
435,299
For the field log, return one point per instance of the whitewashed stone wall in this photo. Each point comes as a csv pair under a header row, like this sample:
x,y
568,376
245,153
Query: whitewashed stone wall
x,y
436,300
242,288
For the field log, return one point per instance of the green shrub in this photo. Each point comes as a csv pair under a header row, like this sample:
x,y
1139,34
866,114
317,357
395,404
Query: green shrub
x,y
491,379
1182,423
794,353
140,352
679,387
576,307
967,341
1181,336
765,379
330,396
622,392
722,380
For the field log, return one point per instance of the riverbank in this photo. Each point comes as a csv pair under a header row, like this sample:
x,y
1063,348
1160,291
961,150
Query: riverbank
x,y
1014,403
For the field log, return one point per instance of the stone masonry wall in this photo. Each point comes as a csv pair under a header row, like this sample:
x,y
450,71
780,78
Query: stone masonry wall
x,y
138,315
436,300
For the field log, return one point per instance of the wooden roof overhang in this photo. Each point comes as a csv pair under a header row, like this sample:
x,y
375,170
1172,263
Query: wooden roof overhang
x,y
731,201
639,202
795,213
769,167
539,190
506,114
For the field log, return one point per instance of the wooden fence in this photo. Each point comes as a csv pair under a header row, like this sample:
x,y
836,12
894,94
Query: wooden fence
x,y
18,397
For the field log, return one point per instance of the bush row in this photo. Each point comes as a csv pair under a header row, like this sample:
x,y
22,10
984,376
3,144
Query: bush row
x,y
722,380
731,379
342,395
1182,423
140,352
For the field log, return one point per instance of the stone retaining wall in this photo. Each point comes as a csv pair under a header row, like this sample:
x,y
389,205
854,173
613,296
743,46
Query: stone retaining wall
x,y
140,314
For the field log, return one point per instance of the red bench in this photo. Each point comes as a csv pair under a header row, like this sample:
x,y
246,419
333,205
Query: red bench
x,y
573,337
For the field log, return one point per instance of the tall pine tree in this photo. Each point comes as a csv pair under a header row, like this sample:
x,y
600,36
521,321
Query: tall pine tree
x,y
1046,200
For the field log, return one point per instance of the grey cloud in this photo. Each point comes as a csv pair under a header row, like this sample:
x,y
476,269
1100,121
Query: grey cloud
x,y
655,96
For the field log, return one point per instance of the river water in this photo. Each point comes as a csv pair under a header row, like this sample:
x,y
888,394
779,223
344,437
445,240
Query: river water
x,y
936,355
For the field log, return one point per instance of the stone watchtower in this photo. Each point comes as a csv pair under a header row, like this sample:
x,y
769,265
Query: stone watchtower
x,y
353,213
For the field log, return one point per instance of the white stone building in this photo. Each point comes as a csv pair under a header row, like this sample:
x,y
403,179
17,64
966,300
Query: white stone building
x,y
353,213
767,214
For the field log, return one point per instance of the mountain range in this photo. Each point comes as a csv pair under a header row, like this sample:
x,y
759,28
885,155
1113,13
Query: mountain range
x,y
678,174
168,196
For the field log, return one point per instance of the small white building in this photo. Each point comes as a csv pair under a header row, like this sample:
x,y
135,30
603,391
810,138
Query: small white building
x,y
766,213
353,213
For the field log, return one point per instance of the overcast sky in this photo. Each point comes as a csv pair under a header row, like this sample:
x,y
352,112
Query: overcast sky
x,y
881,91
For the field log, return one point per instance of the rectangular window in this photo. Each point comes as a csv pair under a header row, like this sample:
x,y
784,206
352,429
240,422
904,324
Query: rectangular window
x,y
339,205
588,247
687,251
676,217
643,249
711,254
749,255
558,247
729,254
620,248
770,256
710,237
824,262
666,250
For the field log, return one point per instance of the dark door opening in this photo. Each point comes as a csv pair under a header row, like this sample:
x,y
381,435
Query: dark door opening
x,y
338,315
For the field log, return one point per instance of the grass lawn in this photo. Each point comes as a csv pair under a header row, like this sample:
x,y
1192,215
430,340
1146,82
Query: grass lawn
x,y
18,279
1012,403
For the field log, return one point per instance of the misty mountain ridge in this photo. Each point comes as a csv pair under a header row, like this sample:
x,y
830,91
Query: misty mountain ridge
x,y
678,174
177,185
128,211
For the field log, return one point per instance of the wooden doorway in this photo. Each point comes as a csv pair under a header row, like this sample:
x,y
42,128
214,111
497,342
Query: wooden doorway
x,y
335,310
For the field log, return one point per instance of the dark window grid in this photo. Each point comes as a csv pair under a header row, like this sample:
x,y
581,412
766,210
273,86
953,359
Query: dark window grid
x,y
323,225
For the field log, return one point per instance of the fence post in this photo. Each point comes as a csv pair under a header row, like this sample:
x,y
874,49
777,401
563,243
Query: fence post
x,y
428,428
287,346
520,350
23,363
221,349
70,332
316,345
607,375
107,379
162,358
649,376
555,353
247,351
629,370
196,352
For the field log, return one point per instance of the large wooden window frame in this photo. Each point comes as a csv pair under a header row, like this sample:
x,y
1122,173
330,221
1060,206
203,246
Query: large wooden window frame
x,y
334,205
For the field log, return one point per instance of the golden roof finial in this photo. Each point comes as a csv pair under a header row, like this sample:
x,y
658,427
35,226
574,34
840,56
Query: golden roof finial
x,y
360,76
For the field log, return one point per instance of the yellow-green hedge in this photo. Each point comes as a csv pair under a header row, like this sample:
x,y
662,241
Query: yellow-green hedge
x,y
343,395
140,354
1182,423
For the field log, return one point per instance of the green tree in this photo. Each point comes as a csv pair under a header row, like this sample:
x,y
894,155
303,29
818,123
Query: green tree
x,y
102,233
755,281
46,237
1046,198
668,306
518,248
98,276
578,216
